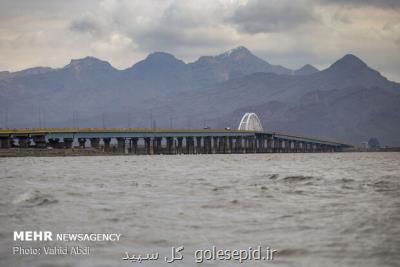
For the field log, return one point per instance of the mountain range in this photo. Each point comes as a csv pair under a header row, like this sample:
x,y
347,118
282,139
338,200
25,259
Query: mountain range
x,y
348,101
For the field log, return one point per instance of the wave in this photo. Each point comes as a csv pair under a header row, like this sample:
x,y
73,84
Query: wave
x,y
35,198
297,178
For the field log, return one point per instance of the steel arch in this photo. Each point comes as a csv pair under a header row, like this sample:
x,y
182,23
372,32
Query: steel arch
x,y
250,122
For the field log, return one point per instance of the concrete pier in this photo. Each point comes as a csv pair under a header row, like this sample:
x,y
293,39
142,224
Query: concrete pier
x,y
5,142
95,142
107,147
82,142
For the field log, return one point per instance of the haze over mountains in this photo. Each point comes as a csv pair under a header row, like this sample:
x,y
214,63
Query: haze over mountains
x,y
348,101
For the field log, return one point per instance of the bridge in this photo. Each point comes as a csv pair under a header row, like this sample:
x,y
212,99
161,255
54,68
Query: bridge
x,y
248,138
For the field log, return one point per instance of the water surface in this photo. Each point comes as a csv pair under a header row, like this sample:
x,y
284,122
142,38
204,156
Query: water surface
x,y
337,209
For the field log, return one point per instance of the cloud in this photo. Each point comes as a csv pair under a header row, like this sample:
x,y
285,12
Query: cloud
x,y
172,26
86,24
259,16
375,3
287,32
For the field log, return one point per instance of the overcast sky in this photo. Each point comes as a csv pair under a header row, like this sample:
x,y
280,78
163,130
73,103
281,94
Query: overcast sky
x,y
287,32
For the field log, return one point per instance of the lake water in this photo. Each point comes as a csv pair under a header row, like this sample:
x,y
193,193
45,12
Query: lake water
x,y
336,209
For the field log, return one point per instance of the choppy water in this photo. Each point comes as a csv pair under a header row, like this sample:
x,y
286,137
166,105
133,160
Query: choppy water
x,y
315,209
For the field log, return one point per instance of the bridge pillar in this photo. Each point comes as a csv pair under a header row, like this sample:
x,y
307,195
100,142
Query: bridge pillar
x,y
230,145
82,142
325,148
179,149
287,146
257,144
274,145
304,147
95,142
67,142
23,141
170,145
158,145
278,146
218,145
283,146
206,145
121,145
5,142
264,144
253,146
223,144
312,147
296,146
214,146
40,141
107,147
199,149
134,145
260,144
54,142
269,145
148,143
293,147
246,141
189,145
238,144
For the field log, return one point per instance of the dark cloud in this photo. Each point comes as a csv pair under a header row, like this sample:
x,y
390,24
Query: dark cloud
x,y
85,25
272,16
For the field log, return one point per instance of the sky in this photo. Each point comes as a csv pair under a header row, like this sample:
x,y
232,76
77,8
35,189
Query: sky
x,y
286,32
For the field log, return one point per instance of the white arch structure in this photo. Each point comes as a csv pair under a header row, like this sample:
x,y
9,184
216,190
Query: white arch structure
x,y
250,122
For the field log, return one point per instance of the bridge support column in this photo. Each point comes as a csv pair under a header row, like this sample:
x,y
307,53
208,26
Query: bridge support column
x,y
259,144
263,144
246,144
54,142
5,142
40,141
170,145
236,147
312,149
148,143
219,145
158,145
279,146
82,142
296,147
223,144
253,147
134,145
207,145
214,146
180,148
23,141
269,145
286,146
67,142
95,142
107,147
292,146
230,145
199,148
121,145
189,145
